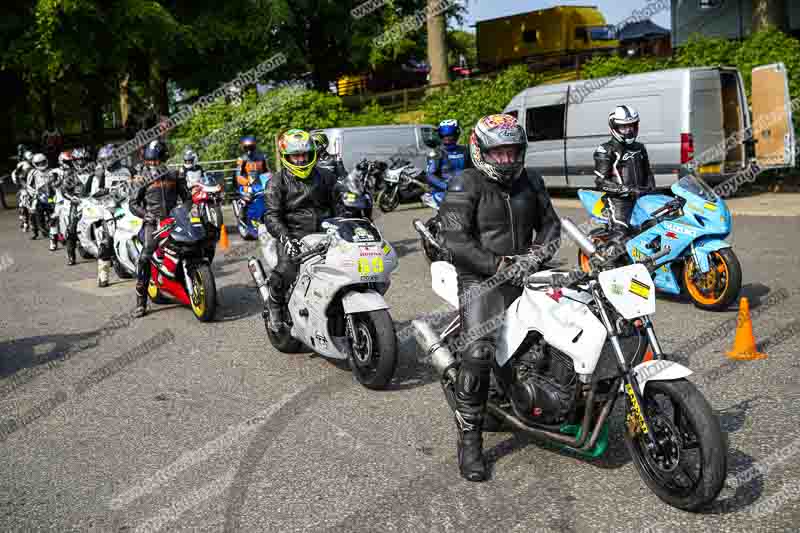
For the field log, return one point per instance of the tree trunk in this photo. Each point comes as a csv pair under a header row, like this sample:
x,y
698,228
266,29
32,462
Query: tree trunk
x,y
124,104
437,46
47,107
769,13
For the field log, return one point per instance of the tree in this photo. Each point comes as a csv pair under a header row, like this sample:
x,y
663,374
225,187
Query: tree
x,y
437,45
769,13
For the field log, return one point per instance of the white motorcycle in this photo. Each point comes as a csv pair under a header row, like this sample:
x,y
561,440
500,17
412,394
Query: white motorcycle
x,y
127,244
549,379
336,305
96,222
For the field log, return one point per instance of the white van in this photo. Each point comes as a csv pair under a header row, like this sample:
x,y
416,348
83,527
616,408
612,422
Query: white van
x,y
685,113
381,143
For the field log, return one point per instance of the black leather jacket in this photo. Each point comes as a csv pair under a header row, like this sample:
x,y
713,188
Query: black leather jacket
x,y
70,185
481,221
295,207
618,164
332,164
159,193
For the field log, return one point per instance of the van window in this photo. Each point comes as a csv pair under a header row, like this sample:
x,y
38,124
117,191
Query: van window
x,y
530,36
545,123
581,34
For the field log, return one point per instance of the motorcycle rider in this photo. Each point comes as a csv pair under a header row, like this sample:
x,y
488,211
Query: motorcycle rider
x,y
251,161
297,199
622,168
326,160
155,198
72,190
451,159
38,181
494,210
191,171
20,178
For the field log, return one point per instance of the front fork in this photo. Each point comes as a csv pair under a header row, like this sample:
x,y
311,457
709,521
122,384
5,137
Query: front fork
x,y
630,381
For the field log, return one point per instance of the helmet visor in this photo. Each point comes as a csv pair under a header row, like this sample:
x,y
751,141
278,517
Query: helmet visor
x,y
504,155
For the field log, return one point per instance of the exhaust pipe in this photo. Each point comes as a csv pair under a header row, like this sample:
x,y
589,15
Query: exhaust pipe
x,y
257,271
578,237
441,356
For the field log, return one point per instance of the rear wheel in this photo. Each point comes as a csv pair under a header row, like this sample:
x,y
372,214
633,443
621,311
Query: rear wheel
x,y
120,270
282,340
374,345
204,292
688,469
717,288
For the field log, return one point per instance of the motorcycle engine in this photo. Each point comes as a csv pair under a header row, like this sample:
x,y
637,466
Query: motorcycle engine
x,y
543,384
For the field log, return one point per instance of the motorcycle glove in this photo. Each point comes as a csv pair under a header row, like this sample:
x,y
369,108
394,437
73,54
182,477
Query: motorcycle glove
x,y
292,247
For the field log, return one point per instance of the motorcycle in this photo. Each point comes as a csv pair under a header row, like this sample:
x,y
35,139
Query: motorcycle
x,y
249,207
336,305
353,198
695,223
96,222
550,375
401,185
181,265
127,244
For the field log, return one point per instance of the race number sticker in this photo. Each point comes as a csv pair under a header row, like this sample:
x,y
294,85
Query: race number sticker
x,y
640,289
367,266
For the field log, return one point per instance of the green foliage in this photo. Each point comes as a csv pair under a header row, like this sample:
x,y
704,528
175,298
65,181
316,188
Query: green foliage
x,y
469,100
371,115
462,42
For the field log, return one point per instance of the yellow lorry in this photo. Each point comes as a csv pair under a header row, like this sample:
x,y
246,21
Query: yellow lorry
x,y
546,32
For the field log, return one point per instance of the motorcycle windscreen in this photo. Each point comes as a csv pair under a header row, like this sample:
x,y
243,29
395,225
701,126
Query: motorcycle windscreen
x,y
188,229
356,230
773,129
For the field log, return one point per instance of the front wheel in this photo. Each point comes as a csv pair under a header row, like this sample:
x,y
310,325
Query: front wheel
x,y
688,469
388,199
717,288
204,292
374,347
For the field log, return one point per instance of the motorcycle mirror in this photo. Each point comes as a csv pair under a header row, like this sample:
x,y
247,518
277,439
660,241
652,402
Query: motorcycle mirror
x,y
578,237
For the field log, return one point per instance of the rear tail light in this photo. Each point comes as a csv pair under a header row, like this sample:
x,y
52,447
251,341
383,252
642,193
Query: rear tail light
x,y
687,148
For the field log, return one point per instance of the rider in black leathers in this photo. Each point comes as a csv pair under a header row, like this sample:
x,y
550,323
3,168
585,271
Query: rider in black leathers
x,y
158,193
326,160
73,191
622,168
298,199
490,216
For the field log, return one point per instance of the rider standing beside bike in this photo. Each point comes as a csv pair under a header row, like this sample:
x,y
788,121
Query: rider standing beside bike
x,y
155,198
67,181
298,199
38,181
493,211
20,178
191,171
250,163
622,167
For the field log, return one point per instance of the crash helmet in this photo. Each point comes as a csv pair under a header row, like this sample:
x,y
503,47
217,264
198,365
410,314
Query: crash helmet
x,y
39,162
492,134
296,142
624,124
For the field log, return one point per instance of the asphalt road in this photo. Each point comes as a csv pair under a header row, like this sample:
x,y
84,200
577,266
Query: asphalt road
x,y
206,427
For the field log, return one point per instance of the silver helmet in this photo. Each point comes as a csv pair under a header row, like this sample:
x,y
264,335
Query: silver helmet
x,y
189,159
497,131
40,162
624,124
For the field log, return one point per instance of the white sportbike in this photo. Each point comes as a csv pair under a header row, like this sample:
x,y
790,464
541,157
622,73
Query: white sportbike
x,y
336,305
561,364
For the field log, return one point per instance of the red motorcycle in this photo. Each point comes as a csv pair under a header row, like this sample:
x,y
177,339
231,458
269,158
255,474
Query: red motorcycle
x,y
181,264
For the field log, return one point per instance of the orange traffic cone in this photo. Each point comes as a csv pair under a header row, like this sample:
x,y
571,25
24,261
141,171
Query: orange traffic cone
x,y
744,344
223,238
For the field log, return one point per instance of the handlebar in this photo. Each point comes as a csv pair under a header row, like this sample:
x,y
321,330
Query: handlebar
x,y
320,248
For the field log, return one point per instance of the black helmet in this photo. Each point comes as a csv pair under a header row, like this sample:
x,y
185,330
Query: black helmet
x,y
156,151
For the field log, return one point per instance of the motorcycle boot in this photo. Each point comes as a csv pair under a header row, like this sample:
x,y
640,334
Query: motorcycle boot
x,y
276,319
71,253
103,271
142,280
472,391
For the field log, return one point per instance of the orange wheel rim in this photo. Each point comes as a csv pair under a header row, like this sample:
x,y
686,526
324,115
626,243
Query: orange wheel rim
x,y
584,262
719,268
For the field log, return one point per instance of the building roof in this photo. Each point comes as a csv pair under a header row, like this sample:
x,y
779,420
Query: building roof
x,y
644,29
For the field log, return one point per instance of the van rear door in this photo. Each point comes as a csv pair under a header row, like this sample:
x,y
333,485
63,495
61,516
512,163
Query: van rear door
x,y
707,125
773,129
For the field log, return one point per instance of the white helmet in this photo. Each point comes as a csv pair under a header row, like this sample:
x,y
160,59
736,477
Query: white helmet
x,y
40,162
28,156
624,124
189,159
